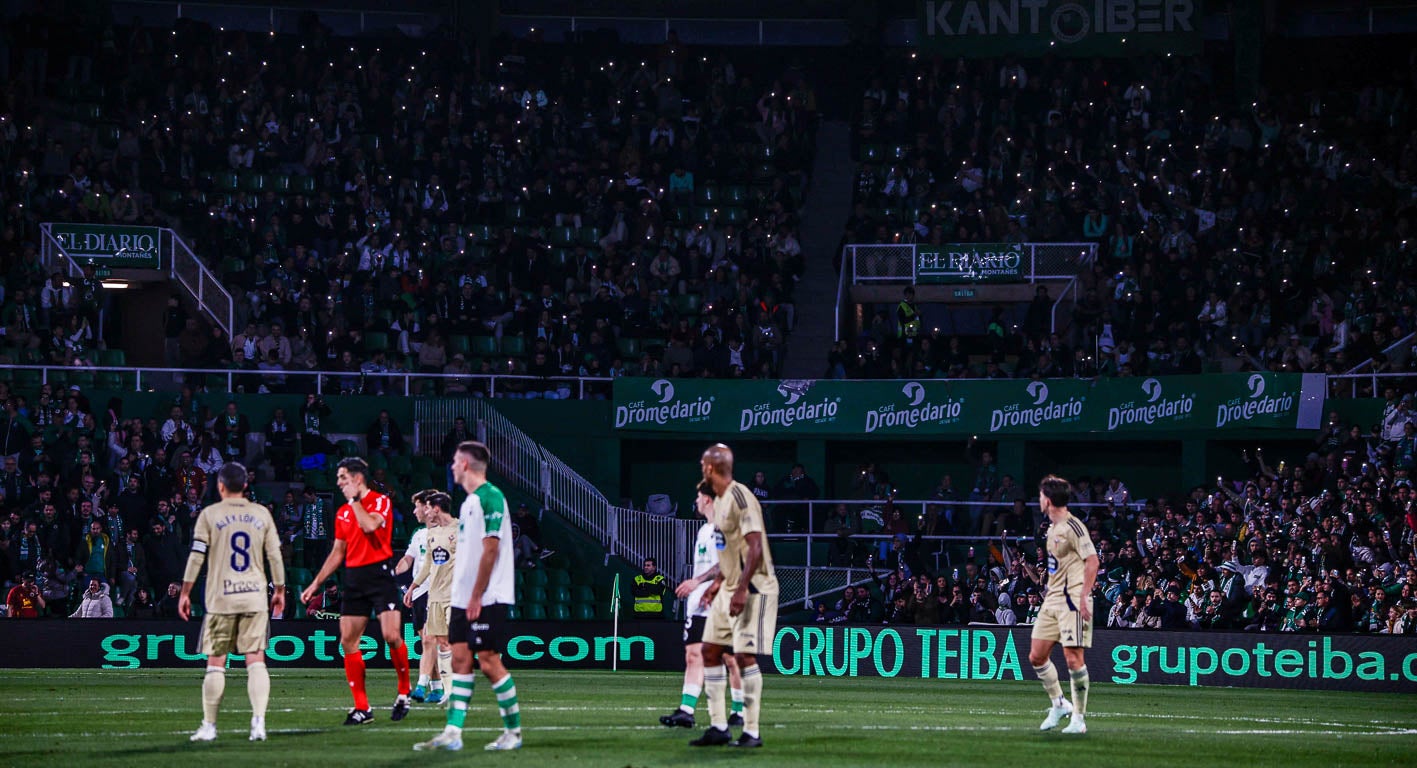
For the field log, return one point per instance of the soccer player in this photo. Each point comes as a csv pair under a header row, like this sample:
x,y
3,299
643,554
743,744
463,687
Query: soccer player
x,y
692,590
364,543
416,598
241,539
743,601
483,590
1066,615
435,580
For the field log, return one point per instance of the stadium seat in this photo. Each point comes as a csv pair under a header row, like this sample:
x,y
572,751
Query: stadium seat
x,y
583,612
459,344
687,303
520,578
83,379
519,594
706,195
736,194
560,612
280,182
303,185
563,237
559,594
513,346
254,182
484,346
583,594
514,613
629,348
536,578
112,358
376,341
557,577
590,236
535,594
348,448
535,612
424,465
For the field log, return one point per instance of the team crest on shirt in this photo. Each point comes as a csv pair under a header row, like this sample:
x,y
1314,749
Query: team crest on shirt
x,y
718,542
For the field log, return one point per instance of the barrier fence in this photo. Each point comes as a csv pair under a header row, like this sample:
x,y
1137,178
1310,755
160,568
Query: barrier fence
x,y
161,378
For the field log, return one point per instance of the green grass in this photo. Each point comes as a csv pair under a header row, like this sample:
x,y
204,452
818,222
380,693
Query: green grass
x,y
89,718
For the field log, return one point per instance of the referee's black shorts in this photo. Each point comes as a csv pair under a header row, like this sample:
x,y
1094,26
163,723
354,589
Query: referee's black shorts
x,y
369,589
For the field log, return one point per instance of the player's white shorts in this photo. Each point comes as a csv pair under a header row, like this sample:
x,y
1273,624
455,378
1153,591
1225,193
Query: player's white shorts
x,y
751,631
243,633
1064,626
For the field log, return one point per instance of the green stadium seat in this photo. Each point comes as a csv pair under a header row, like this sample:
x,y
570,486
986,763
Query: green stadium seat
x,y
536,578
280,182
560,612
348,448
112,358
519,594
458,344
590,236
424,465
563,237
735,215
583,612
736,194
535,612
559,560
513,613
687,303
535,594
520,578
513,346
110,381
484,346
580,577
706,194
401,465
84,379
559,594
303,185
871,153
558,577
583,594
629,348
255,182
516,212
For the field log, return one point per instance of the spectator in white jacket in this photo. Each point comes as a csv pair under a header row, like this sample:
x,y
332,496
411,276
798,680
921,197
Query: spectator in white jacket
x,y
96,603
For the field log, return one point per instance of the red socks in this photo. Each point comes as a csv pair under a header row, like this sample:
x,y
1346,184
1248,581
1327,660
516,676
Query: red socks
x,y
354,673
399,656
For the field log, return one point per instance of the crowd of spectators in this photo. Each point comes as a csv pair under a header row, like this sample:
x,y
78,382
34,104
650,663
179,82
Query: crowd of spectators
x,y
1322,544
97,506
1278,236
388,205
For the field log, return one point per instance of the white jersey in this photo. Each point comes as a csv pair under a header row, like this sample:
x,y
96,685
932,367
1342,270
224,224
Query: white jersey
x,y
706,547
484,515
417,548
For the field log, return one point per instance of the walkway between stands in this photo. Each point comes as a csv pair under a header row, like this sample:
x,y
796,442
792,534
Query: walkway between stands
x,y
828,205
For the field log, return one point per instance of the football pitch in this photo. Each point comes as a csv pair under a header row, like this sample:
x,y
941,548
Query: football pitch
x,y
593,718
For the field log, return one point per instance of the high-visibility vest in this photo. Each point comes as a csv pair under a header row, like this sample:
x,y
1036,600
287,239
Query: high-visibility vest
x,y
649,593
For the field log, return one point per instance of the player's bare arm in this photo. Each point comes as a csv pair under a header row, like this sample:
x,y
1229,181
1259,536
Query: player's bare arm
x,y
418,582
368,521
751,562
490,546
692,583
1089,577
332,564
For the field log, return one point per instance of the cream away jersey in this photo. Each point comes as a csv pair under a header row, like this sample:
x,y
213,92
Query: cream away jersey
x,y
1069,546
737,514
440,562
238,542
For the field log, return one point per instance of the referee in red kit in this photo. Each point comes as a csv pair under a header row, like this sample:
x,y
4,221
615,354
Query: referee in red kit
x,y
364,544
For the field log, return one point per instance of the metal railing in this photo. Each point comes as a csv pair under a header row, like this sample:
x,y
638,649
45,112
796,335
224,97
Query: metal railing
x,y
802,584
53,255
1398,353
1354,379
627,533
897,263
201,284
842,292
479,385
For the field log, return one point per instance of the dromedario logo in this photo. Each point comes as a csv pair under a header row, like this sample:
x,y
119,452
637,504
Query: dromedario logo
x,y
797,407
667,410
917,411
1256,404
1041,411
1153,410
